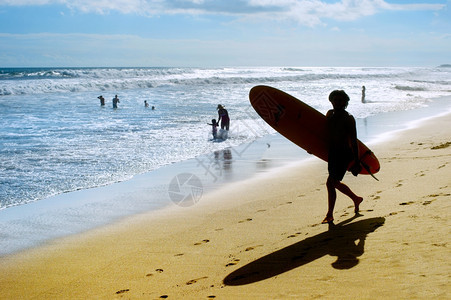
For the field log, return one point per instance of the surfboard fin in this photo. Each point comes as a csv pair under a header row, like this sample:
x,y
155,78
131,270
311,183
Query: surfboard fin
x,y
367,168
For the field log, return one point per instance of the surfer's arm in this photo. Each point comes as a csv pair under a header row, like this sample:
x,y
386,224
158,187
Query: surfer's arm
x,y
356,168
353,137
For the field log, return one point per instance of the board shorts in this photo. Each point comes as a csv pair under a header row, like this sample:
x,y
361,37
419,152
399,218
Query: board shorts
x,y
338,162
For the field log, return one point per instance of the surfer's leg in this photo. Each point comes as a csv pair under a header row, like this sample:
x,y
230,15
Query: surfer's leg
x,y
331,198
347,191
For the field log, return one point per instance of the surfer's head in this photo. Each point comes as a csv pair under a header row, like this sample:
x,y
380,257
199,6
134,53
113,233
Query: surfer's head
x,y
339,99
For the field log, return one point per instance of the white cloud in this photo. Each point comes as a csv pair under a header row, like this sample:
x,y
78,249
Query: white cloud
x,y
307,12
312,12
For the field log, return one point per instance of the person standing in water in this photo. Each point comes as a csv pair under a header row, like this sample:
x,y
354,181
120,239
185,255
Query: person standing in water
x,y
363,94
223,117
102,100
115,101
214,128
343,149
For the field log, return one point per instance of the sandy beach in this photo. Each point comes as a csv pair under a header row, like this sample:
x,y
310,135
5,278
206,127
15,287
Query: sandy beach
x,y
261,238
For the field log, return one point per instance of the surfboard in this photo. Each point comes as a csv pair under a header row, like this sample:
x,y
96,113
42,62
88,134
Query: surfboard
x,y
302,124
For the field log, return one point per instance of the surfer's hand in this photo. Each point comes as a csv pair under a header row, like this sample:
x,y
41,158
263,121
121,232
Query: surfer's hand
x,y
356,168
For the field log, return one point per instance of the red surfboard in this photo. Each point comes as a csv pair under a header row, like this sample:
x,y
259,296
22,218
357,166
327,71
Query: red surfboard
x,y
302,124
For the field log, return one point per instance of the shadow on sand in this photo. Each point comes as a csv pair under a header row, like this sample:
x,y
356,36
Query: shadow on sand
x,y
339,241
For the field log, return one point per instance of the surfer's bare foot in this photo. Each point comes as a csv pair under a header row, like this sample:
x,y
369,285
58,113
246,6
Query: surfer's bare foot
x,y
357,202
327,219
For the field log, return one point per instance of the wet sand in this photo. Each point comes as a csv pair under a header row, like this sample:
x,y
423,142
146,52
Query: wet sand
x,y
262,238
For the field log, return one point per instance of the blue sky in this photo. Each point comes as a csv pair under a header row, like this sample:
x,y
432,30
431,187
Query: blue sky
x,y
211,33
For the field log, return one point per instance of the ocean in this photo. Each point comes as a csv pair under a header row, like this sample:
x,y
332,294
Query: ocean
x,y
56,138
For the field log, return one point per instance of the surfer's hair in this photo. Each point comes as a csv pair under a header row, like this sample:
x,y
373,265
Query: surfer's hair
x,y
339,97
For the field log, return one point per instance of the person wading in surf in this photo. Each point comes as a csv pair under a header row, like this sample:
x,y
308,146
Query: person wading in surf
x,y
343,149
223,117
115,101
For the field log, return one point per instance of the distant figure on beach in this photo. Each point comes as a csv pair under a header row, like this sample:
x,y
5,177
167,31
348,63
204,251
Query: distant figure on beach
x,y
343,149
115,101
146,104
214,128
223,116
363,94
102,100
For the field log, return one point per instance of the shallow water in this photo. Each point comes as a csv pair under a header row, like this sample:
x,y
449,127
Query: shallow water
x,y
56,138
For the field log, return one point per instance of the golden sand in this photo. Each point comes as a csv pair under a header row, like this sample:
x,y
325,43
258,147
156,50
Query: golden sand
x,y
262,238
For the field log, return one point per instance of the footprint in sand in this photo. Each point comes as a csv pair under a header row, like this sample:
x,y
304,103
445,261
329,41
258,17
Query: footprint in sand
x,y
406,203
203,242
294,235
375,195
441,146
395,213
252,248
346,213
420,174
247,220
193,281
286,203
234,262
437,195
157,270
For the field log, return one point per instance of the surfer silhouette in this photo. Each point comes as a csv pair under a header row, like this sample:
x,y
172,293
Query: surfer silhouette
x,y
223,117
343,149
